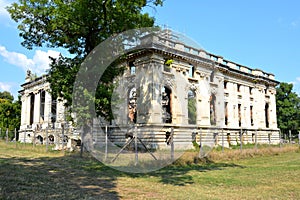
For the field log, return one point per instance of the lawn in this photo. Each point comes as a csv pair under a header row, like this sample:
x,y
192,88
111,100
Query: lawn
x,y
28,172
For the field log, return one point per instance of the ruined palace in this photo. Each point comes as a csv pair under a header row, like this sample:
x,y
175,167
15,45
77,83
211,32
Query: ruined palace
x,y
170,84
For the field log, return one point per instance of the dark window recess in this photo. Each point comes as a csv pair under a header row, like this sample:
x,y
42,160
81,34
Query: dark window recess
x,y
226,113
250,90
32,99
267,115
53,110
166,103
42,106
239,115
238,87
251,115
225,84
213,120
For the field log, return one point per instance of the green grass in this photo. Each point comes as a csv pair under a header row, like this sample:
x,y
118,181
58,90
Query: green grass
x,y
33,173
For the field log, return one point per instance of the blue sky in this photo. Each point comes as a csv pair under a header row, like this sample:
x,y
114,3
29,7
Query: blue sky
x,y
262,34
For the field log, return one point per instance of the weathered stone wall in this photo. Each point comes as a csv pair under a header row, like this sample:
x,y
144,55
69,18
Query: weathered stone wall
x,y
227,97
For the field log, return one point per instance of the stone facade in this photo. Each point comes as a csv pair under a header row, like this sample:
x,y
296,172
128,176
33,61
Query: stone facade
x,y
207,96
41,115
170,84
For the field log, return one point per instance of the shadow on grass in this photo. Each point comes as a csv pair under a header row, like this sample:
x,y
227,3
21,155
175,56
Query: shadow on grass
x,y
68,177
179,175
72,177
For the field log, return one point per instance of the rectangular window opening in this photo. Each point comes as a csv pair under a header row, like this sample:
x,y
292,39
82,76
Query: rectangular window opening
x,y
240,115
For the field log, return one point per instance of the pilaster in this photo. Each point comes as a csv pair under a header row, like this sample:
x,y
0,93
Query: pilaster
x,y
37,106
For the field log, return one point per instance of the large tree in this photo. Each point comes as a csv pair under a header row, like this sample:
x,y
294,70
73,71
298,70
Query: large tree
x,y
78,26
10,113
288,108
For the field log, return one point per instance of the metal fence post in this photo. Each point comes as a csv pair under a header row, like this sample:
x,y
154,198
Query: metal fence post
x,y
201,146
241,142
280,138
106,140
47,139
222,141
172,144
135,145
16,136
24,137
81,145
255,139
63,138
34,137
7,135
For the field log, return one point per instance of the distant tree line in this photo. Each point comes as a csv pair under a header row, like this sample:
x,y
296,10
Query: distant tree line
x,y
288,109
10,114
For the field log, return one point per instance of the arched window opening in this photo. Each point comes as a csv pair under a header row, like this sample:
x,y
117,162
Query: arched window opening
x,y
39,139
132,105
192,107
213,109
166,105
51,139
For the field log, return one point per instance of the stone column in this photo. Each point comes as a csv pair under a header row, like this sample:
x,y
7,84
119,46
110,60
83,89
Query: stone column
x,y
60,111
272,110
204,102
37,106
47,111
27,109
148,85
23,110
259,117
220,114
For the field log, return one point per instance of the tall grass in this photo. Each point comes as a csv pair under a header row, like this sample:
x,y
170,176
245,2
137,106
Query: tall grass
x,y
216,155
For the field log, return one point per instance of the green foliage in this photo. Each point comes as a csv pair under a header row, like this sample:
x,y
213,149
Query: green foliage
x,y
10,112
168,62
6,96
196,146
78,26
288,108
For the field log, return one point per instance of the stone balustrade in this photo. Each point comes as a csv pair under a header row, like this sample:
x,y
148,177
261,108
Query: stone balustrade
x,y
174,42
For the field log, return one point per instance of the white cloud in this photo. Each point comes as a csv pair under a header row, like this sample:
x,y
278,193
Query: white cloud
x,y
3,11
5,86
38,64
